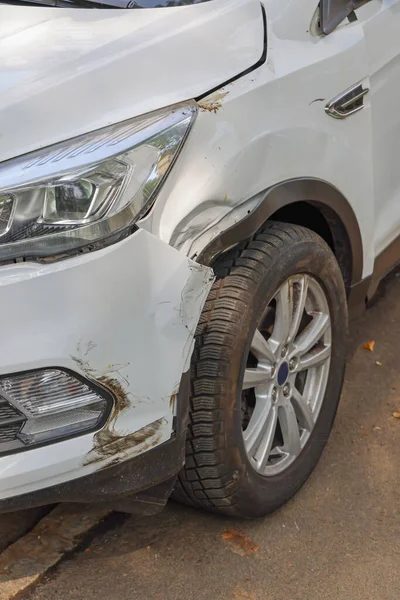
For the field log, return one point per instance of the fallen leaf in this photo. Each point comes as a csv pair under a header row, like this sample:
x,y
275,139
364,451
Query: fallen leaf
x,y
370,345
239,540
239,592
396,415
378,363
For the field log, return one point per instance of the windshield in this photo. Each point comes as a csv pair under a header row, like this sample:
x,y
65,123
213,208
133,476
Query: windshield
x,y
105,3
150,3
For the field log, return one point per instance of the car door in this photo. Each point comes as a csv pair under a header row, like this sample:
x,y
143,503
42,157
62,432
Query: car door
x,y
381,23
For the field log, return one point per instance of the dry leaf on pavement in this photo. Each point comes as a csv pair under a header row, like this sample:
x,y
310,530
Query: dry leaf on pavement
x,y
370,345
238,539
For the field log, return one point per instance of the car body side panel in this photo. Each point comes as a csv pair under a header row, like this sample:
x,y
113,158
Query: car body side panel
x,y
381,23
269,127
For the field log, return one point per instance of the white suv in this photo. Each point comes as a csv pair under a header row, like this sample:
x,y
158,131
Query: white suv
x,y
187,183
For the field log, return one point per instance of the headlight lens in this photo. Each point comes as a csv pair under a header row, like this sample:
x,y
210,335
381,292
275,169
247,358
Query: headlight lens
x,y
87,189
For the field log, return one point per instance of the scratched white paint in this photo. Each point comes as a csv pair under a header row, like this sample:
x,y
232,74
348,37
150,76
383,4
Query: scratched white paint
x,y
130,312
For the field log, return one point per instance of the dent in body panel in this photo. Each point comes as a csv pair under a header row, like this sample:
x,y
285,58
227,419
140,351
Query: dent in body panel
x,y
126,316
190,297
265,135
112,444
212,218
208,221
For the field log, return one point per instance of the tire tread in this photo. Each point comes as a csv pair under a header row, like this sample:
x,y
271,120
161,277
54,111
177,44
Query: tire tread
x,y
206,480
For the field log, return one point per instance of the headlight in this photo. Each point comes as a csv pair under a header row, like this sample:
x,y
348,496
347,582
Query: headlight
x,y
90,188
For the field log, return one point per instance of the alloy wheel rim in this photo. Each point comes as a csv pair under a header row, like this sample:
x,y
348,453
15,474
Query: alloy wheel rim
x,y
286,375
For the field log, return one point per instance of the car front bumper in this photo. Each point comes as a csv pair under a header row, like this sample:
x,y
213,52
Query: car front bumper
x,y
139,485
124,317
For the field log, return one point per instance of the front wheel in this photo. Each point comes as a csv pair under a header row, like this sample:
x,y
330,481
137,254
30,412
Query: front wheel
x,y
267,373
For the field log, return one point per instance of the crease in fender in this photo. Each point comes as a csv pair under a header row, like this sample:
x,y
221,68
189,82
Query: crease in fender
x,y
200,278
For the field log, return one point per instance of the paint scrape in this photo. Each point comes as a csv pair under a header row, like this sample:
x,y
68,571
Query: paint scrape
x,y
213,102
120,394
112,446
172,401
116,447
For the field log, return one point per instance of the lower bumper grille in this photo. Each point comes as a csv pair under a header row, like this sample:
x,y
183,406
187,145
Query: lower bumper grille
x,y
11,421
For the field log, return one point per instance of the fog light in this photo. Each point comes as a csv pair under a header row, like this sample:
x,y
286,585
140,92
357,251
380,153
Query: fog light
x,y
48,405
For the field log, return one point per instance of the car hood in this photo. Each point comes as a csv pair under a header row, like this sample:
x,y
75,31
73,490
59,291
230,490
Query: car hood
x,y
64,72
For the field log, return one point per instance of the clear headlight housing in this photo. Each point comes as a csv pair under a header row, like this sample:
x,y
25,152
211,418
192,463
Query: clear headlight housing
x,y
88,189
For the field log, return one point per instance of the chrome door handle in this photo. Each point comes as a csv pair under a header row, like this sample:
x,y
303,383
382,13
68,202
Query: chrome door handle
x,y
347,103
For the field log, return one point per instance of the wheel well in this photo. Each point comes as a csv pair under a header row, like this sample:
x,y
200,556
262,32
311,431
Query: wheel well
x,y
327,224
311,203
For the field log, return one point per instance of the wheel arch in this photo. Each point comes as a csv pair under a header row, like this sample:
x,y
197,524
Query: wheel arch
x,y
336,222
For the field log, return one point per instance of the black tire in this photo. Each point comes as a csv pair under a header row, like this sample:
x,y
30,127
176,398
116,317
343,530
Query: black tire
x,y
218,475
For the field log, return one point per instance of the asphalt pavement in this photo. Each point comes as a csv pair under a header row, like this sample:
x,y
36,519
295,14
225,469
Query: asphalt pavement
x,y
338,539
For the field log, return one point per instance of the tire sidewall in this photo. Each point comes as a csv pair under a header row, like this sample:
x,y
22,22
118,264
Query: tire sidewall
x,y
258,493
